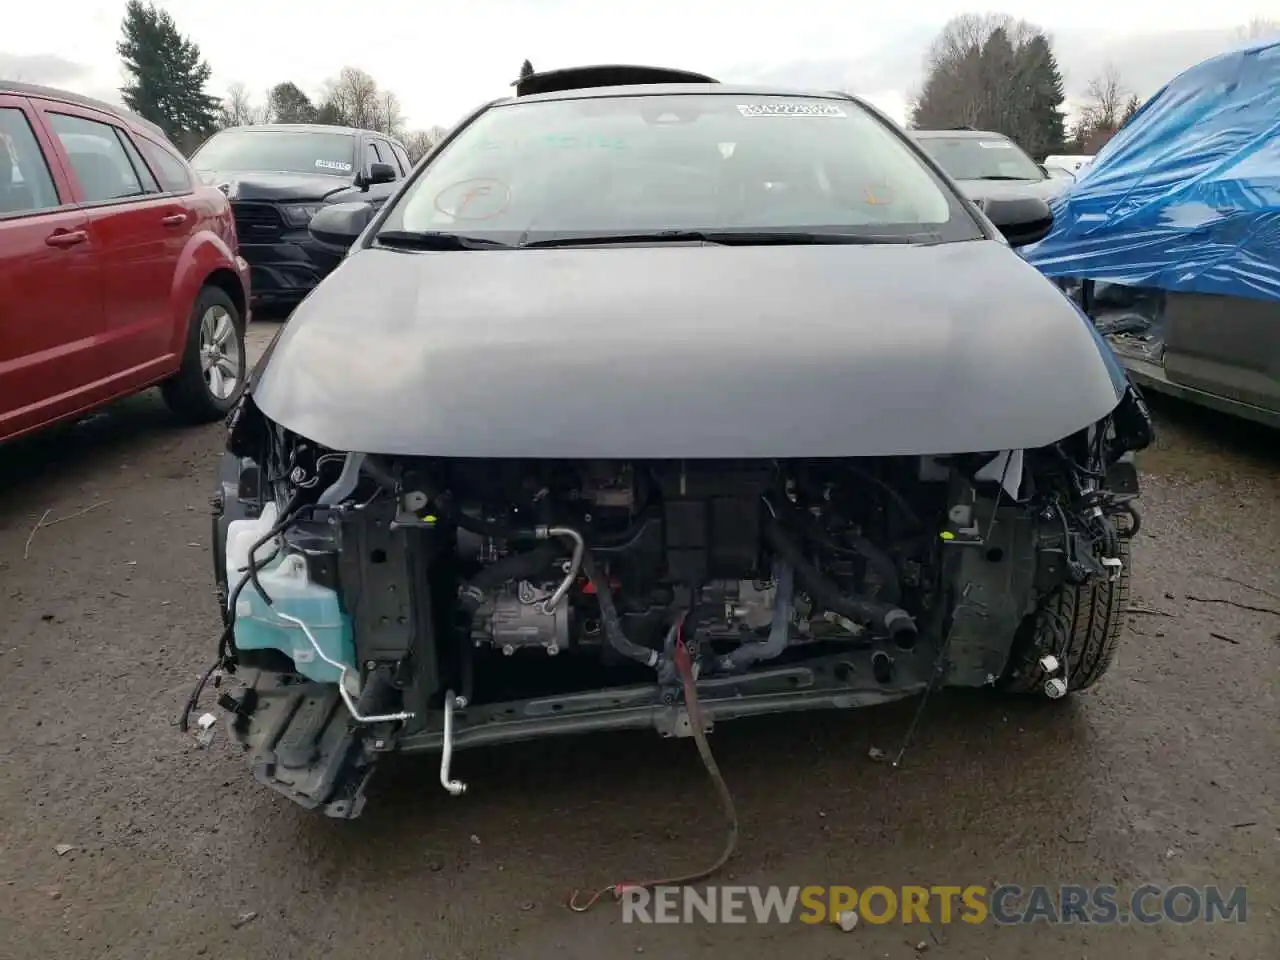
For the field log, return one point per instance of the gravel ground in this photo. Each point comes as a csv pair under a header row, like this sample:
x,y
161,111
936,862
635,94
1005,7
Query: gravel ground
x,y
1168,773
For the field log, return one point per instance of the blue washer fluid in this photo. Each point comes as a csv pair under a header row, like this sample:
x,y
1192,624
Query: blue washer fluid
x,y
258,628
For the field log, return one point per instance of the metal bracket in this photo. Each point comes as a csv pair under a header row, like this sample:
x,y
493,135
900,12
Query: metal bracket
x,y
683,726
1113,567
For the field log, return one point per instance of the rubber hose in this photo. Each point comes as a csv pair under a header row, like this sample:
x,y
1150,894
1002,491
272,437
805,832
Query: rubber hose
x,y
1135,519
779,632
869,611
609,621
877,559
487,528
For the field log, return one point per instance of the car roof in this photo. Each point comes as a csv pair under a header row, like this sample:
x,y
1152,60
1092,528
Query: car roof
x,y
66,96
659,89
960,133
308,128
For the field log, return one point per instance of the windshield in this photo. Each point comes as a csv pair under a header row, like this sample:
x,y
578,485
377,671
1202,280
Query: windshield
x,y
985,158
537,170
330,154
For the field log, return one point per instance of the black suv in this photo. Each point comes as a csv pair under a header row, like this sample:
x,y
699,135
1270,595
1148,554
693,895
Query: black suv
x,y
277,177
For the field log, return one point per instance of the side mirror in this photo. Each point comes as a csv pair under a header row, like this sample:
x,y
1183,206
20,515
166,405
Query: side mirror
x,y
1022,220
340,223
381,173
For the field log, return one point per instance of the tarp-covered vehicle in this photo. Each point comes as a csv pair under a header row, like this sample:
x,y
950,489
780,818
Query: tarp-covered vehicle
x,y
654,405
1170,239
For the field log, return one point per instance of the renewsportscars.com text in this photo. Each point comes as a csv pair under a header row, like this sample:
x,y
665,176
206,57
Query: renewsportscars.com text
x,y
1006,904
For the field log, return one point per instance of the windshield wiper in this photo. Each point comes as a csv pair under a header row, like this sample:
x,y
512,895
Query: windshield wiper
x,y
1000,176
729,238
436,240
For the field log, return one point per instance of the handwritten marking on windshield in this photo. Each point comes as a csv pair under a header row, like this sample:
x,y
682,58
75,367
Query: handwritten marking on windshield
x,y
480,198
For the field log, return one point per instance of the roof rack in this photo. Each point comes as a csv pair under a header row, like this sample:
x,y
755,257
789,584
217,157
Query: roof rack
x,y
603,75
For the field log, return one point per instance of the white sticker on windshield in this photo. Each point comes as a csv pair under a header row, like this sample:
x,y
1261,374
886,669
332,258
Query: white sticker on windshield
x,y
334,165
790,110
995,144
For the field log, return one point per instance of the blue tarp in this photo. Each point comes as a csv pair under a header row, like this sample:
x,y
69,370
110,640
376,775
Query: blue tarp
x,y
1186,197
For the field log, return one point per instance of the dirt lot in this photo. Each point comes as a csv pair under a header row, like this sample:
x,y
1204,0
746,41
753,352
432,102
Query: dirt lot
x,y
1168,773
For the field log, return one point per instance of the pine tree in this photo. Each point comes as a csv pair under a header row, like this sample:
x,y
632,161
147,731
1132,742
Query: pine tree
x,y
168,75
288,104
999,104
1130,108
992,72
1043,132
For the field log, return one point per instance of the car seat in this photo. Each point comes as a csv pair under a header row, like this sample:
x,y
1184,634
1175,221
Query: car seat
x,y
15,197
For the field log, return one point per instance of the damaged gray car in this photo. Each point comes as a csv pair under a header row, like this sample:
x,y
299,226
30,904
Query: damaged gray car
x,y
657,404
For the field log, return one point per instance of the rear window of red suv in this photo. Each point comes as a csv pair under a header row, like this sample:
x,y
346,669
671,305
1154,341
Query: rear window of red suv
x,y
173,173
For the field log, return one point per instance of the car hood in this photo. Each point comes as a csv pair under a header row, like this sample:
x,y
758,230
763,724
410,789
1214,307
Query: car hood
x,y
1012,189
683,351
254,185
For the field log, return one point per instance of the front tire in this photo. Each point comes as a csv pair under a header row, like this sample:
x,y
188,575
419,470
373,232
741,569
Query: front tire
x,y
214,369
1085,621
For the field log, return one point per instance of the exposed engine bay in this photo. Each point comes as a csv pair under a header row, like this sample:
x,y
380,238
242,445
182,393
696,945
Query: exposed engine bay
x,y
396,603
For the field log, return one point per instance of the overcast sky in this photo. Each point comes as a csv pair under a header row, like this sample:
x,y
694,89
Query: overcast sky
x,y
442,58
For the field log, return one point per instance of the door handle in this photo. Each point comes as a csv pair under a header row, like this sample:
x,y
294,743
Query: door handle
x,y
174,220
66,238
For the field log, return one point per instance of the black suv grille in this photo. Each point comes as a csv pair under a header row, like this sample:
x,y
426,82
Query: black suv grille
x,y
257,222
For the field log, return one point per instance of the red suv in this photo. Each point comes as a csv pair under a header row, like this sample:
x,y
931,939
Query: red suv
x,y
118,268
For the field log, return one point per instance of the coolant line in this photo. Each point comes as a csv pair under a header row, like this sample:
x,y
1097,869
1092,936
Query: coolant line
x,y
575,565
455,787
343,670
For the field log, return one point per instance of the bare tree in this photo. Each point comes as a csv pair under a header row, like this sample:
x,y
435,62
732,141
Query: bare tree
x,y
1108,104
391,120
1106,97
237,107
965,34
1259,28
418,143
352,98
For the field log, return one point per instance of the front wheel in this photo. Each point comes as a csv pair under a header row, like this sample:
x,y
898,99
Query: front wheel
x,y
1079,625
212,376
